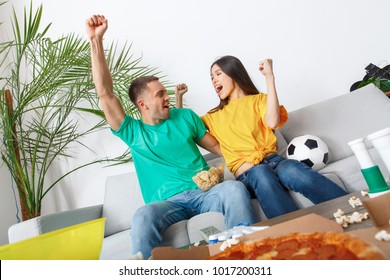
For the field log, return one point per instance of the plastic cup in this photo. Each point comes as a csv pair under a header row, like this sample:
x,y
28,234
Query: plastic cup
x,y
381,141
375,181
213,239
372,195
359,148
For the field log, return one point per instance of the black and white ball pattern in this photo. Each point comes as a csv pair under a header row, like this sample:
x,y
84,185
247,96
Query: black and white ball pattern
x,y
309,149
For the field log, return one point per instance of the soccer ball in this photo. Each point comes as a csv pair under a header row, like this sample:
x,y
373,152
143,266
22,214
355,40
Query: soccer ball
x,y
309,149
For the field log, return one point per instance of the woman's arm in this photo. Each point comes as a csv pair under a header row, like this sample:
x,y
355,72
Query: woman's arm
x,y
272,114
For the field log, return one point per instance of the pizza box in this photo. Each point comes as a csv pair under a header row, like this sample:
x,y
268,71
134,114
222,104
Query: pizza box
x,y
379,211
306,224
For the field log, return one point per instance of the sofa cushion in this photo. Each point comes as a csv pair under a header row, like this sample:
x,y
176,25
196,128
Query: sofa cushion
x,y
341,119
176,235
282,143
122,198
117,246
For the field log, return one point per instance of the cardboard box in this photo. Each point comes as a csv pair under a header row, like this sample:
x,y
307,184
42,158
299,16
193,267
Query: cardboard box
x,y
305,224
378,209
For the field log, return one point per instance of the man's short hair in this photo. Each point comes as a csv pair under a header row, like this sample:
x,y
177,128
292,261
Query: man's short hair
x,y
138,86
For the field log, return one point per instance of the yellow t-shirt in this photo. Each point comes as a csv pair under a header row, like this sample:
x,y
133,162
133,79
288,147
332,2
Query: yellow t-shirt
x,y
241,130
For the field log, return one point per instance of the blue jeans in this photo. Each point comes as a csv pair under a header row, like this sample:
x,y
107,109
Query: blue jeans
x,y
230,198
271,180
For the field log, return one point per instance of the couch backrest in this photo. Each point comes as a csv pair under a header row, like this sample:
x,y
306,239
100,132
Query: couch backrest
x,y
121,199
340,120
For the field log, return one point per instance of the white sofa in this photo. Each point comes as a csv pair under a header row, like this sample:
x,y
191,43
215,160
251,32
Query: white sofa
x,y
336,121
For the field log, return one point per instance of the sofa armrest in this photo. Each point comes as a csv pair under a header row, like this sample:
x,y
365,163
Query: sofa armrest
x,y
46,223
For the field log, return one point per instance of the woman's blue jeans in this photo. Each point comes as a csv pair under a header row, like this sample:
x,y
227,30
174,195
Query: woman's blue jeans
x,y
230,198
271,180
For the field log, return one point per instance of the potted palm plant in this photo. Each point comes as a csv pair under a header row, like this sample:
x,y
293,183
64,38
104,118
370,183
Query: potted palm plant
x,y
44,82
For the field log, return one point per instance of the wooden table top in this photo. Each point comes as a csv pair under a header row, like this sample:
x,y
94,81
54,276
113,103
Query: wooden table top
x,y
327,209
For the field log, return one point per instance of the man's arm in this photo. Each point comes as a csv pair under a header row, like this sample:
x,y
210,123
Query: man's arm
x,y
208,141
180,90
96,26
211,144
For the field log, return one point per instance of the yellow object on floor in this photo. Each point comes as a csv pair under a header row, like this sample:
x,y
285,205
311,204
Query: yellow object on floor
x,y
78,242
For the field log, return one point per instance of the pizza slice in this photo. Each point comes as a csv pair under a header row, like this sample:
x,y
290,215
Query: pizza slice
x,y
303,246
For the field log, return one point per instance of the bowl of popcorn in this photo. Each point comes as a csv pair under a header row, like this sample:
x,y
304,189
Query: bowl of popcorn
x,y
208,178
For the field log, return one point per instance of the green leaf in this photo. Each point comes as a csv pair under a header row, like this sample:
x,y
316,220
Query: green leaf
x,y
96,112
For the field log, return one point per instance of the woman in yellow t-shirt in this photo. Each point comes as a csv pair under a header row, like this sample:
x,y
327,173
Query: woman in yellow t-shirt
x,y
244,124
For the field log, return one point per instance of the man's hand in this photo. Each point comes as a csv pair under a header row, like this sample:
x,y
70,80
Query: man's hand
x,y
96,26
265,67
180,90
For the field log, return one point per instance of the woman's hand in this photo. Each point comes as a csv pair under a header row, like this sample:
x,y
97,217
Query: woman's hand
x,y
265,67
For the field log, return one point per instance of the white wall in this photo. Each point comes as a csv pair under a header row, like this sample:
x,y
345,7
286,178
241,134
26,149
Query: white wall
x,y
319,49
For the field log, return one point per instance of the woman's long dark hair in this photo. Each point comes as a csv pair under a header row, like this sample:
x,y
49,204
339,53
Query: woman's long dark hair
x,y
234,68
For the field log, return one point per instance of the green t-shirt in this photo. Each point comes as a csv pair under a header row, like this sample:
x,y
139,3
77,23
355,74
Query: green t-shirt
x,y
165,155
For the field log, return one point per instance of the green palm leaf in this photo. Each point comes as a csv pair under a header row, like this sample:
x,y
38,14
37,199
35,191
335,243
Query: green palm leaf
x,y
51,86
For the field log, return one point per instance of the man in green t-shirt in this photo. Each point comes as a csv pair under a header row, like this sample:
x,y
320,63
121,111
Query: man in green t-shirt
x,y
165,153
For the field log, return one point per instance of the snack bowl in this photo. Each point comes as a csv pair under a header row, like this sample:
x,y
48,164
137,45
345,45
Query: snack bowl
x,y
209,177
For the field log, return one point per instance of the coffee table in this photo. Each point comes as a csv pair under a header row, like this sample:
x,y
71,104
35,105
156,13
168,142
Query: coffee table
x,y
327,209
